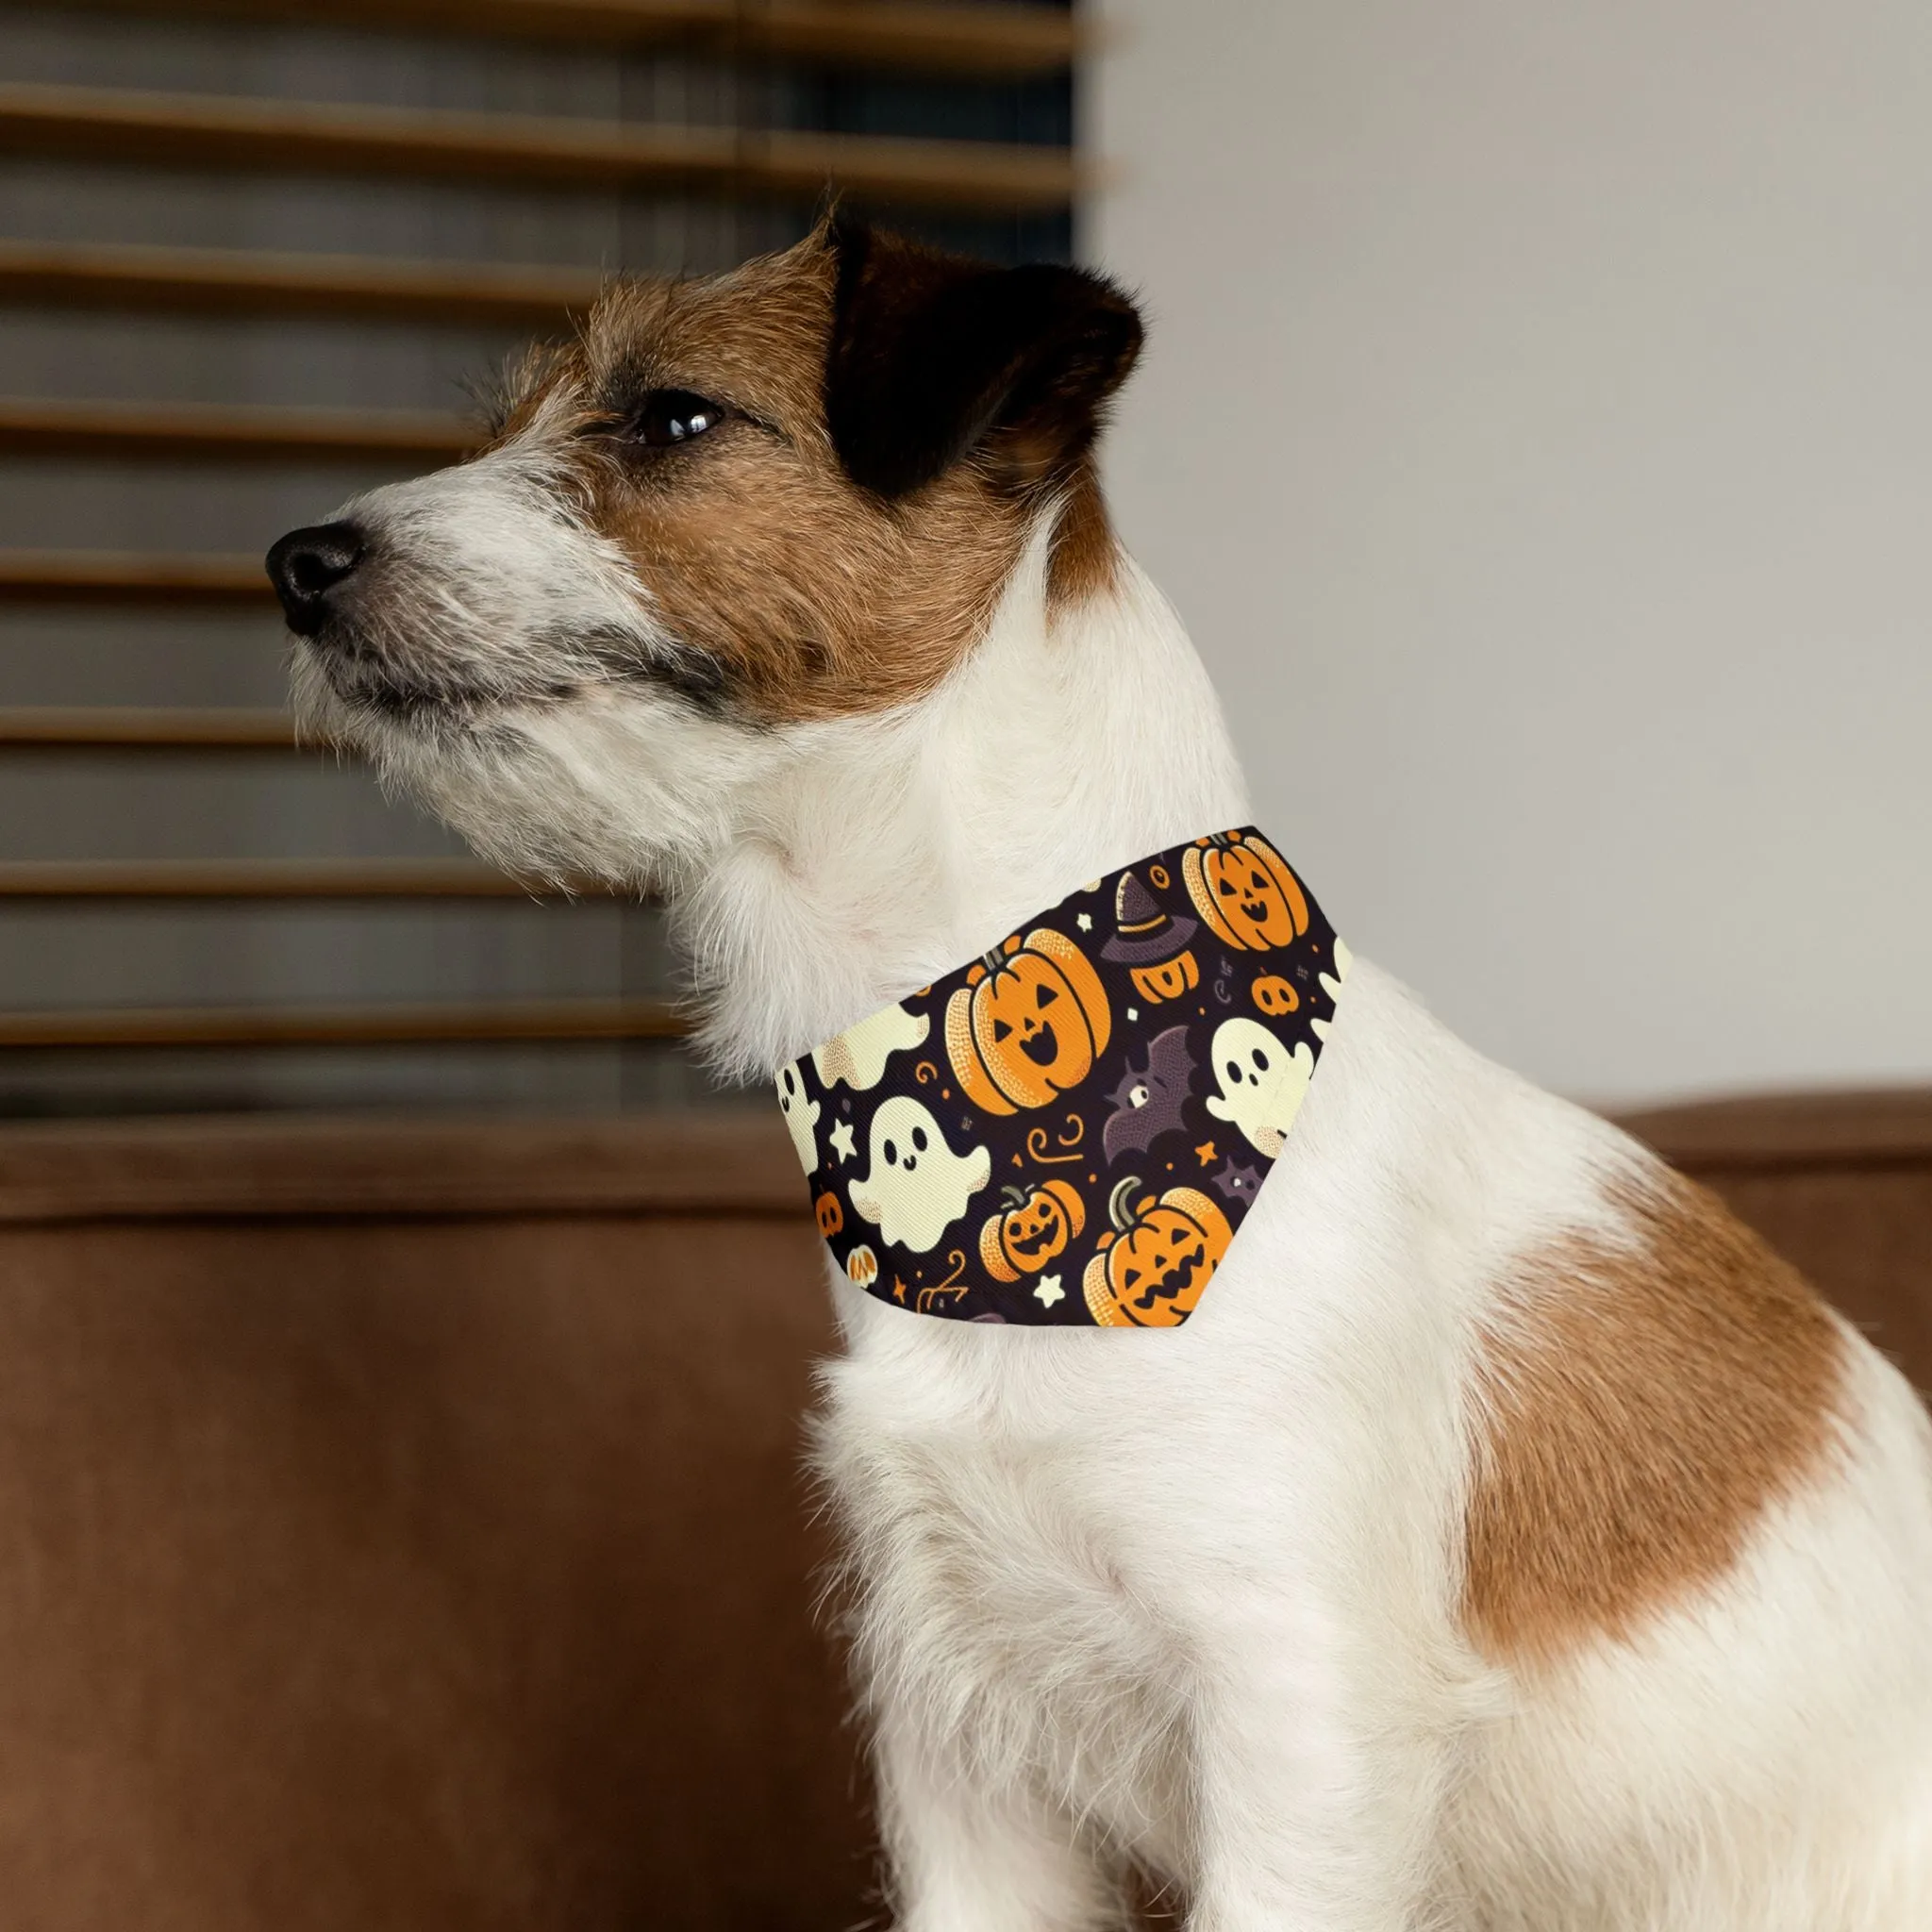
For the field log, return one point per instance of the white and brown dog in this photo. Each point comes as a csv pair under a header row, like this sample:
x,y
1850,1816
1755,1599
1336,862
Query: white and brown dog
x,y
1510,1541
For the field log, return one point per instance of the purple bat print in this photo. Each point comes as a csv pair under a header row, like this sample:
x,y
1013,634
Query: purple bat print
x,y
1237,1183
1147,1103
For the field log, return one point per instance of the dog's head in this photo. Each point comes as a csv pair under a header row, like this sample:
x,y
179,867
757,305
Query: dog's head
x,y
731,509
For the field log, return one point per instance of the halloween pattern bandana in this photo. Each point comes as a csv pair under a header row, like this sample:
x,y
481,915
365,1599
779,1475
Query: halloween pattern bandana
x,y
1068,1132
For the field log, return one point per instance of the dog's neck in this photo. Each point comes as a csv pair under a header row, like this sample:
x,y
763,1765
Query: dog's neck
x,y
882,851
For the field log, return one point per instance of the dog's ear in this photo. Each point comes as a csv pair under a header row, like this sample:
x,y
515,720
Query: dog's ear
x,y
933,357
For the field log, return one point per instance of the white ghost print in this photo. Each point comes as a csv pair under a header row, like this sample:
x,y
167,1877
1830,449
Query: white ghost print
x,y
1332,987
859,1054
801,1117
918,1186
1261,1083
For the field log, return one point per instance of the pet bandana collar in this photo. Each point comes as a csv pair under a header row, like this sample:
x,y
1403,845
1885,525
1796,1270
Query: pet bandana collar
x,y
1068,1132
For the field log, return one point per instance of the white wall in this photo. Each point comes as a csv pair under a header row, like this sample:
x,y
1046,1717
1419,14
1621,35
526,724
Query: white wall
x,y
1536,432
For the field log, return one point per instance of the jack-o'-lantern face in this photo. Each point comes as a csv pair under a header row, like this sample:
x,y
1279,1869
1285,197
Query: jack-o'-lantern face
x,y
1275,995
1028,1024
1031,1230
1152,1271
1244,891
1168,980
830,1212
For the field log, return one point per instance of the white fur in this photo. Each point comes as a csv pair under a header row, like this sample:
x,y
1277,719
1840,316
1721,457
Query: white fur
x,y
1188,1598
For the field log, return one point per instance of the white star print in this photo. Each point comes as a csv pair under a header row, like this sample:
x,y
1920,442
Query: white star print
x,y
841,1138
1086,922
1049,1290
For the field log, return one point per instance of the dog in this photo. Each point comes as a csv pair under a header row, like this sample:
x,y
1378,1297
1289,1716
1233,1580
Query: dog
x,y
1510,1541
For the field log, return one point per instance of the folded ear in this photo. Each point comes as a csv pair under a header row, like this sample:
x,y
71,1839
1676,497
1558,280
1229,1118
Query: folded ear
x,y
933,357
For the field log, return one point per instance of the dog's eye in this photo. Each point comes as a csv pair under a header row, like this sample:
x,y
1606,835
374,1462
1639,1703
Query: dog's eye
x,y
668,416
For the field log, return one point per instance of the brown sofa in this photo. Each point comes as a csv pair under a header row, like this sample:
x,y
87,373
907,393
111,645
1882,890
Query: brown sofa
x,y
401,1524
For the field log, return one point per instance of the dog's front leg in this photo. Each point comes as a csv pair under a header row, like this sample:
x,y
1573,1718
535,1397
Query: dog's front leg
x,y
1315,1804
963,1856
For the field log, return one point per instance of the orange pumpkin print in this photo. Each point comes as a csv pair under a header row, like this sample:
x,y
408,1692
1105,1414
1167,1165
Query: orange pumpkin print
x,y
1031,1229
1157,1257
1244,891
1028,1024
831,1213
1150,943
1274,994
1168,980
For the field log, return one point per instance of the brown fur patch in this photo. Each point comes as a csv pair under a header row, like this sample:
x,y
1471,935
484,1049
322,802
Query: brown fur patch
x,y
1085,556
1642,1408
812,596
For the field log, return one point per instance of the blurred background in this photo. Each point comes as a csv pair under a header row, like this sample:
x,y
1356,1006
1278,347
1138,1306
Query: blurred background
x,y
1533,433
1536,432
402,1360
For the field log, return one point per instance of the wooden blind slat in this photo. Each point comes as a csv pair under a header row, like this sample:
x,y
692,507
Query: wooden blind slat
x,y
252,878
115,577
452,1024
298,137
128,727
230,432
221,281
972,38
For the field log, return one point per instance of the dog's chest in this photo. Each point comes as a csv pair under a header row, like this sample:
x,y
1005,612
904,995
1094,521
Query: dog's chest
x,y
1003,1561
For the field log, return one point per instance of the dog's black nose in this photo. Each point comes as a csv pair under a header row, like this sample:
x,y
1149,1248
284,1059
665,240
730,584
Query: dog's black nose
x,y
305,565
